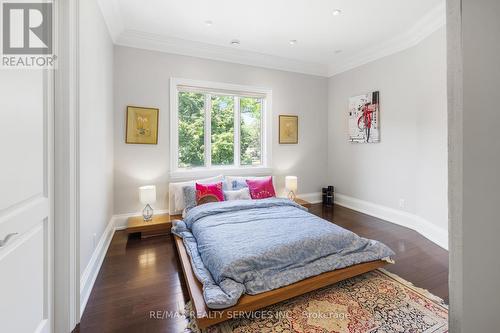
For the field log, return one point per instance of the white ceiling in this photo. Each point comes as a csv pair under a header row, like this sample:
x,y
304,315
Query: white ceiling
x,y
365,30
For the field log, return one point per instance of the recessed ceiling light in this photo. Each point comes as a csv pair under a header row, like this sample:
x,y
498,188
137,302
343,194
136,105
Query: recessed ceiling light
x,y
292,41
235,42
337,12
209,23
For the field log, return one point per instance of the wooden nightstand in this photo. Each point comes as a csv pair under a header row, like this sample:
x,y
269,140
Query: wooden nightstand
x,y
159,225
303,202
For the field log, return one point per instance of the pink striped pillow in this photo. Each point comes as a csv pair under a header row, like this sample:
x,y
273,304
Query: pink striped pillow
x,y
261,188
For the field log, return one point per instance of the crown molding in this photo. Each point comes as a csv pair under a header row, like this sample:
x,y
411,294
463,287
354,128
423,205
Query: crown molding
x,y
110,10
154,42
426,26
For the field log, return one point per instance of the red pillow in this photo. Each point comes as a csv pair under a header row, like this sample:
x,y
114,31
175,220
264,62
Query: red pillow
x,y
209,193
261,188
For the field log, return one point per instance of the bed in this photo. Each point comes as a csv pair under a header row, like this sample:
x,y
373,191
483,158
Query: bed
x,y
243,255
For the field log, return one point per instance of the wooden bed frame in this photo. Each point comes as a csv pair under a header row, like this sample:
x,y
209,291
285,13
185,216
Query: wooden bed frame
x,y
207,317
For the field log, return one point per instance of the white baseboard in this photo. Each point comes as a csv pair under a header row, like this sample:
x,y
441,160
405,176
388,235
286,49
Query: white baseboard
x,y
405,219
90,273
311,197
430,231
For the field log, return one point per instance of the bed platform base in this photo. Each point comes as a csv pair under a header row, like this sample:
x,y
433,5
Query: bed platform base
x,y
206,317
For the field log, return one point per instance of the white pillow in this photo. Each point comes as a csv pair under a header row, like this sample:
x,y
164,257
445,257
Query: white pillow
x,y
176,195
243,194
229,180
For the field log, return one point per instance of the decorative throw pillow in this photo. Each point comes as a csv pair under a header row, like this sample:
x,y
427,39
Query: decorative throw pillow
x,y
189,197
230,184
239,184
261,188
209,193
241,194
176,195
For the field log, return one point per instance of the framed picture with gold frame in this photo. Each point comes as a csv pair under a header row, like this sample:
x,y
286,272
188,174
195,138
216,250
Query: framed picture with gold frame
x,y
288,129
142,125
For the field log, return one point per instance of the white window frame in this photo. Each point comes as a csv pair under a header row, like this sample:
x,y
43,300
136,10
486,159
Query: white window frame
x,y
265,168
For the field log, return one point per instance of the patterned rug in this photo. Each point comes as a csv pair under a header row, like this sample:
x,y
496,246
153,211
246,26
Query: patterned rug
x,y
377,301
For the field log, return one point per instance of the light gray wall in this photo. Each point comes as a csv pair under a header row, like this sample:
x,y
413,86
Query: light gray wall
x,y
481,166
455,161
142,77
410,162
96,128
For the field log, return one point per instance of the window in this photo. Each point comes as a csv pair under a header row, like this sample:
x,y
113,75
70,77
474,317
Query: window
x,y
218,126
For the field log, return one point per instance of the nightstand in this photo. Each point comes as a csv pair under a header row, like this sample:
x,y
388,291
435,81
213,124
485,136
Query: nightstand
x,y
159,225
302,202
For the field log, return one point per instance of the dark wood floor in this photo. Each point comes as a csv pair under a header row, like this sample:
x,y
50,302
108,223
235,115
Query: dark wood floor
x,y
140,276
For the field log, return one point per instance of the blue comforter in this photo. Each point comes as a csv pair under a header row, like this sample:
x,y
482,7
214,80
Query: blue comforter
x,y
253,246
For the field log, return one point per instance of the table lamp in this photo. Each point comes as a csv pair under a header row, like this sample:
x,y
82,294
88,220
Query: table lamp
x,y
291,186
147,195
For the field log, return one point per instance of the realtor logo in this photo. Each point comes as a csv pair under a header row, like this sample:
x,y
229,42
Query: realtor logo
x,y
27,34
27,28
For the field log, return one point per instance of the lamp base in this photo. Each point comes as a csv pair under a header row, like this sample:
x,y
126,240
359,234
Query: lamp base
x,y
291,195
147,213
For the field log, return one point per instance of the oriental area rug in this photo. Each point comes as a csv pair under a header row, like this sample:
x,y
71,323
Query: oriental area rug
x,y
375,302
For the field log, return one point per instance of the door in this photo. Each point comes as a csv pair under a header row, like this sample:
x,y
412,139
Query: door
x,y
26,223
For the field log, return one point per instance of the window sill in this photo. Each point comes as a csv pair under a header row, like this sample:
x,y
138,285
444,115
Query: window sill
x,y
196,173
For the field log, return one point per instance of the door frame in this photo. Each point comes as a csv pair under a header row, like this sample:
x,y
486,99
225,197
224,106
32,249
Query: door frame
x,y
66,168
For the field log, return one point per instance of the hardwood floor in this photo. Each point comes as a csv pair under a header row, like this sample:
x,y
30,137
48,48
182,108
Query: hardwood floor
x,y
139,277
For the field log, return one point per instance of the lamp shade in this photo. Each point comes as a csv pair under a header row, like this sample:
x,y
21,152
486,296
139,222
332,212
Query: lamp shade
x,y
147,194
291,183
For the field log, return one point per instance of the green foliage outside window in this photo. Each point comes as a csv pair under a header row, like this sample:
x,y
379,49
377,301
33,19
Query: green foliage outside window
x,y
222,130
192,130
250,129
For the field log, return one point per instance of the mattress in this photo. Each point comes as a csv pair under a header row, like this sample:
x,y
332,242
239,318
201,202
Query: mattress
x,y
254,246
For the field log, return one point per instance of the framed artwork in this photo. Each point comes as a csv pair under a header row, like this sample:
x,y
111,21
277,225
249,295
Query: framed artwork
x,y
142,125
288,129
364,122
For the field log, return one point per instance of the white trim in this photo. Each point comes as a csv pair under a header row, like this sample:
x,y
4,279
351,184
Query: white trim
x,y
90,272
267,131
237,133
66,169
426,26
174,123
430,231
174,82
112,16
166,44
311,197
43,327
207,132
197,173
119,222
266,126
